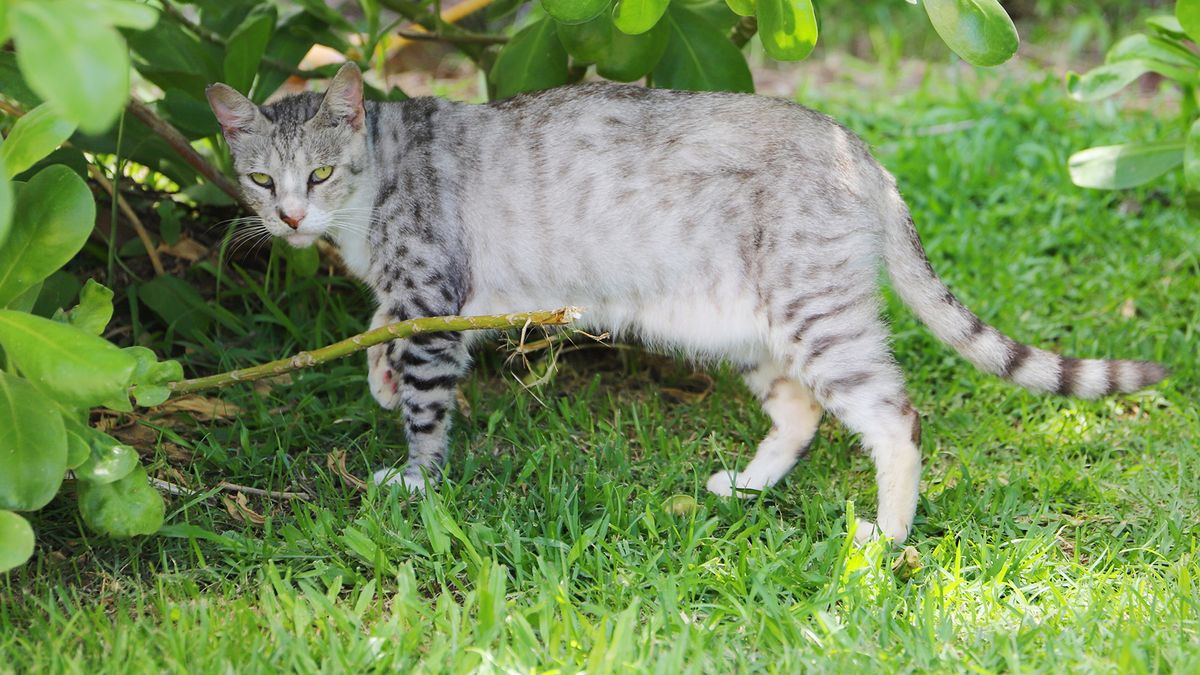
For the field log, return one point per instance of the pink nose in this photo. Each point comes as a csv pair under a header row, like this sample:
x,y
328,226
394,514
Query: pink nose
x,y
292,219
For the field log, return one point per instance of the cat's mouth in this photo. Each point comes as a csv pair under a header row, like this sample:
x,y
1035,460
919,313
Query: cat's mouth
x,y
301,240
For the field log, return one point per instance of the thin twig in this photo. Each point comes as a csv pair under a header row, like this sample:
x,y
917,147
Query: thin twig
x,y
380,335
179,490
132,217
461,38
180,144
743,30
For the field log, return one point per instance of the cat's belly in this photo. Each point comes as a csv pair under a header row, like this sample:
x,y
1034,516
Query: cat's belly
x,y
701,326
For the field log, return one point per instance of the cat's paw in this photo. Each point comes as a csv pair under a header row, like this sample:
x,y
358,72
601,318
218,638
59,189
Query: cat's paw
x,y
389,477
383,380
730,483
867,532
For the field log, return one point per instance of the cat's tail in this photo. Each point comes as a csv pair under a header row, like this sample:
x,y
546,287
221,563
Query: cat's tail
x,y
990,350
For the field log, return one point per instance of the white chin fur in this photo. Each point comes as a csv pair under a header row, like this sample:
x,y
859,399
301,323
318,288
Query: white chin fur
x,y
301,240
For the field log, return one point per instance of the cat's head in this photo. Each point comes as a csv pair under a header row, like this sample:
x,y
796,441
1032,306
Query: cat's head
x,y
300,160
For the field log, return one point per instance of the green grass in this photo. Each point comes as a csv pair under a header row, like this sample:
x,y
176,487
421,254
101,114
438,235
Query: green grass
x,y
1052,535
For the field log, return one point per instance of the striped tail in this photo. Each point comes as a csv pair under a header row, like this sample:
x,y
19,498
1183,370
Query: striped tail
x,y
990,350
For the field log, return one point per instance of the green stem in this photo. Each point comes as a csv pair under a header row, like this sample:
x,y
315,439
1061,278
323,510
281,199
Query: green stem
x,y
379,335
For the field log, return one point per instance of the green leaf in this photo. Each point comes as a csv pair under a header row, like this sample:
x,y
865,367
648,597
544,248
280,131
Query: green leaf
x,y
1188,13
151,377
35,135
319,9
638,16
95,308
742,7
73,59
125,14
787,28
1163,56
78,450
33,446
979,31
1105,80
575,11
178,303
587,42
700,58
124,508
534,59
632,57
16,541
301,262
56,215
108,460
75,367
1191,158
1167,25
246,47
6,204
1116,167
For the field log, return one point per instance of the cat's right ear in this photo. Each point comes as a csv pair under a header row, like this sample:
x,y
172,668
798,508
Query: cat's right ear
x,y
236,113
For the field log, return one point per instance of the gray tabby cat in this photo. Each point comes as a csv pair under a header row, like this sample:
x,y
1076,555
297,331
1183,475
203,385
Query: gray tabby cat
x,y
731,227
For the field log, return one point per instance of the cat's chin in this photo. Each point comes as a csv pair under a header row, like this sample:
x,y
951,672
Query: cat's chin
x,y
301,240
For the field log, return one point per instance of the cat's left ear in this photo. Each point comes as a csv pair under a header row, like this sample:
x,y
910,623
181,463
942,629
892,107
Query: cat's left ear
x,y
343,101
236,113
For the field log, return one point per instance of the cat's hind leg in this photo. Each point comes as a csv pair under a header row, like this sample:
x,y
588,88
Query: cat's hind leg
x,y
795,416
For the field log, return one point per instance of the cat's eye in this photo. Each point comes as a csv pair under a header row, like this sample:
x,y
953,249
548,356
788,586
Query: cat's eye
x,y
320,174
262,180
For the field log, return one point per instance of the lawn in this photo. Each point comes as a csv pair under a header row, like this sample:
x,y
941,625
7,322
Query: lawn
x,y
1052,534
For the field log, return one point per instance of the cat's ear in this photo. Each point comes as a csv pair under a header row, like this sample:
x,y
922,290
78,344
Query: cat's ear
x,y
236,113
343,101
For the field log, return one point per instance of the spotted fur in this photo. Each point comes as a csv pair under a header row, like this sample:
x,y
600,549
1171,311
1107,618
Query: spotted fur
x,y
735,228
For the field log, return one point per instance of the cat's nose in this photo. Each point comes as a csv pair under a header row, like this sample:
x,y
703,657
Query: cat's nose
x,y
292,219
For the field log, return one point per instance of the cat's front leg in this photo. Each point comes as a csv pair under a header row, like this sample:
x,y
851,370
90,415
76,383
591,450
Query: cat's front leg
x,y
382,379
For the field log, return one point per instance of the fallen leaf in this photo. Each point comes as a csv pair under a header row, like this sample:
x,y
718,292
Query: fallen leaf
x,y
693,390
185,249
202,408
336,461
907,564
1128,309
239,508
264,386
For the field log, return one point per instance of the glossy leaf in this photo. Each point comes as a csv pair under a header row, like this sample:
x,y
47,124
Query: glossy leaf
x,y
78,449
6,204
95,308
1105,80
632,57
73,59
33,446
787,28
124,508
35,135
1188,13
534,59
979,31
1115,167
151,377
246,47
638,16
587,42
742,7
1165,57
76,368
700,58
124,13
16,541
109,460
575,11
1167,25
53,216
1191,158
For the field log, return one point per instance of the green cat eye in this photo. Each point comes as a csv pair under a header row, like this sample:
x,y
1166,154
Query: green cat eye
x,y
320,174
262,179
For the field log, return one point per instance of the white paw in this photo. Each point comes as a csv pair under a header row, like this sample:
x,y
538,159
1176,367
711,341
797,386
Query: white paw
x,y
865,532
387,477
730,483
383,380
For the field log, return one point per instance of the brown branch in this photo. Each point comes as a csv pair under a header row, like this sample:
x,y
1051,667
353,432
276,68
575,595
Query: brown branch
x,y
180,144
743,30
459,38
179,490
